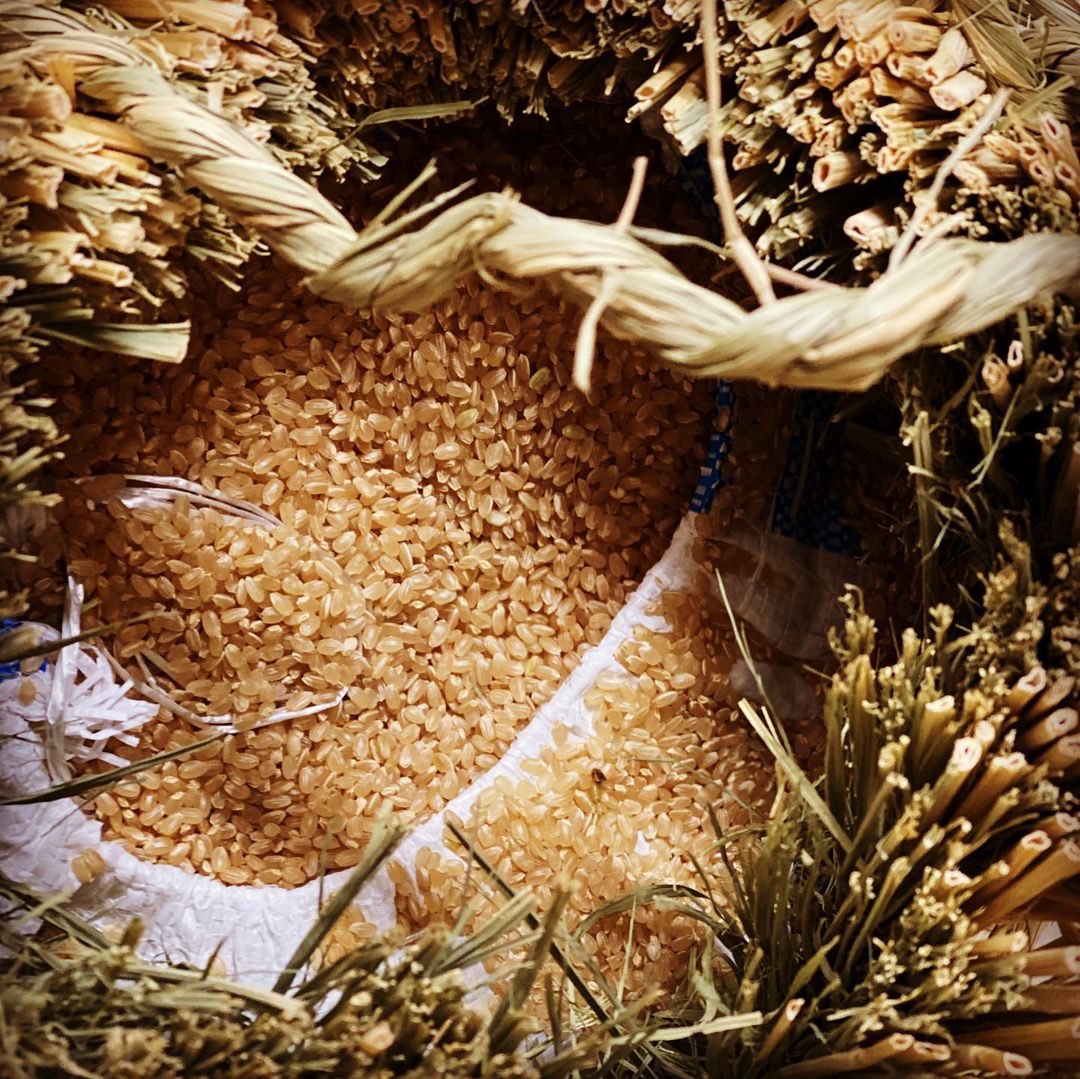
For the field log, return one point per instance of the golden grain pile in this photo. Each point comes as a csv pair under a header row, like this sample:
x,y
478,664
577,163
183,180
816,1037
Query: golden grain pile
x,y
245,620
458,526
632,806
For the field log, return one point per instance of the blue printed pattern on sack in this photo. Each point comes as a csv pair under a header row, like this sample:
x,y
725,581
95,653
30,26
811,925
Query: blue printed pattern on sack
x,y
13,669
720,443
806,507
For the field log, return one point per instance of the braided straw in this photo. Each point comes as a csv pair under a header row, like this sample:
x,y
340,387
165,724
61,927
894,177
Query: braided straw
x,y
838,339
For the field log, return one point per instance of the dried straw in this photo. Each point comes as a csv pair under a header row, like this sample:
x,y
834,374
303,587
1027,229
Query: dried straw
x,y
837,339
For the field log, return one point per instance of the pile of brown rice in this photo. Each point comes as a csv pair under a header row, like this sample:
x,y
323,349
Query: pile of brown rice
x,y
484,521
243,620
627,809
635,804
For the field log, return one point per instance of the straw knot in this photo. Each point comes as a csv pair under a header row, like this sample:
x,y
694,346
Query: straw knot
x,y
836,339
411,270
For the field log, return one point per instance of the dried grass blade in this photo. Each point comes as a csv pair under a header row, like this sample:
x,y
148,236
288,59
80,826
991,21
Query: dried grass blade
x,y
502,1024
76,788
719,1025
557,952
166,342
491,937
447,110
655,893
17,655
763,728
384,840
52,911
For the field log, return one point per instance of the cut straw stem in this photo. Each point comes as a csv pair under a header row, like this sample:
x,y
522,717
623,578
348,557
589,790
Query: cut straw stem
x,y
1022,854
1061,756
1054,999
999,775
1062,863
1059,962
987,1058
1050,698
1026,689
1000,944
985,733
1030,1036
931,727
1056,725
1060,825
965,758
959,152
853,1060
1059,139
779,1030
995,375
927,1054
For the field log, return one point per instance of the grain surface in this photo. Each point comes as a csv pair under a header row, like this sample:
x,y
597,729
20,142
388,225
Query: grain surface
x,y
458,526
637,803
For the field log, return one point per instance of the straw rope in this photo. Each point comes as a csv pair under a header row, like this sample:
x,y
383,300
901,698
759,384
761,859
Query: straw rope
x,y
840,339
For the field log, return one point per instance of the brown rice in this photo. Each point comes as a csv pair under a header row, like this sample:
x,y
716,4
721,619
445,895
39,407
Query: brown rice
x,y
490,519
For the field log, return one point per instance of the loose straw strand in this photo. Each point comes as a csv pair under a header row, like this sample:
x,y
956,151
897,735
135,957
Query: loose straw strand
x,y
585,347
742,251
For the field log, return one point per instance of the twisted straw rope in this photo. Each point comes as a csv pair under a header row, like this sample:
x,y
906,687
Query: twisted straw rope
x,y
837,339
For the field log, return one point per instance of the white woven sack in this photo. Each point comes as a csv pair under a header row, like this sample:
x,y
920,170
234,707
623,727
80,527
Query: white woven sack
x,y
255,929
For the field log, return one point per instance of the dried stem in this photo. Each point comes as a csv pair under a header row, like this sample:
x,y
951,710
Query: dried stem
x,y
746,258
585,348
959,152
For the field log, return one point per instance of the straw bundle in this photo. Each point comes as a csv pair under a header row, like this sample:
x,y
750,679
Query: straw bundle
x,y
834,102
843,112
90,226
836,340
946,820
886,919
78,1002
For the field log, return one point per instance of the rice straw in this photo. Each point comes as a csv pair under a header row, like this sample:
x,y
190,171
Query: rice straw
x,y
1060,864
1060,962
842,339
1026,689
988,1058
854,1060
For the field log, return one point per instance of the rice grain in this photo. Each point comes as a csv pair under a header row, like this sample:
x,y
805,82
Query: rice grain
x,y
459,526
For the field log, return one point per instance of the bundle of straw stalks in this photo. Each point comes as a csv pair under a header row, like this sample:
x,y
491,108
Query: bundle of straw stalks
x,y
913,909
78,1003
841,111
912,912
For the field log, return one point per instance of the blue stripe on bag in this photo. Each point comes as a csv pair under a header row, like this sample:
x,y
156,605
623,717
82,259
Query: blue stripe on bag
x,y
717,452
13,669
806,506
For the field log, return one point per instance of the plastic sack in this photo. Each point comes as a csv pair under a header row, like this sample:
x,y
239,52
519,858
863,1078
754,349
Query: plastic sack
x,y
789,597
